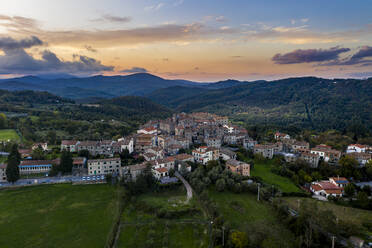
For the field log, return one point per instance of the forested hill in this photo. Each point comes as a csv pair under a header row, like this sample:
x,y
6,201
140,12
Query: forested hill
x,y
305,102
29,97
41,116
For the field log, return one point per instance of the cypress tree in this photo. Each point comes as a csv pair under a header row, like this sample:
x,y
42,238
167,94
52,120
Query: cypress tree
x,y
12,169
66,162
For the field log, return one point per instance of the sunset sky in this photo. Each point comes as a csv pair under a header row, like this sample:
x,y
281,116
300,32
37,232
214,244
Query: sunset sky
x,y
204,40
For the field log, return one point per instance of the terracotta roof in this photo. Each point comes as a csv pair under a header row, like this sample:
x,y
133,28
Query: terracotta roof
x,y
36,162
104,160
327,185
183,156
358,145
333,191
162,170
316,187
87,143
69,142
308,154
78,160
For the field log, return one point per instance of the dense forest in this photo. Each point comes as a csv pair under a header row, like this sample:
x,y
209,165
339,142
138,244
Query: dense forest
x,y
309,102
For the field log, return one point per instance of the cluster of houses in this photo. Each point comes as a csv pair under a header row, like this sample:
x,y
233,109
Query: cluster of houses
x,y
333,187
162,144
293,150
362,153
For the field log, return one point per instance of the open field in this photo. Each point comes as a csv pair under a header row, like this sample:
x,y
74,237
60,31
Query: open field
x,y
61,215
256,219
347,214
9,134
163,220
263,170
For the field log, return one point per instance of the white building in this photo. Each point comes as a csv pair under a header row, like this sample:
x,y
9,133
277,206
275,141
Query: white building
x,y
127,143
161,172
204,154
356,148
36,166
104,166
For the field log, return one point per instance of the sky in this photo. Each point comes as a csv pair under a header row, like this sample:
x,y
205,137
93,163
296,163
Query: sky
x,y
200,40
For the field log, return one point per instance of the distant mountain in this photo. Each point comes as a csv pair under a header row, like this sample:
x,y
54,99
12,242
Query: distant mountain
x,y
305,102
96,86
139,84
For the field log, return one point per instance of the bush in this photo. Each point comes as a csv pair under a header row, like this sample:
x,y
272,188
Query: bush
x,y
220,185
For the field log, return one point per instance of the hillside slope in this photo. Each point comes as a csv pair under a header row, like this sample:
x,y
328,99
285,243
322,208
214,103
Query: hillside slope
x,y
306,102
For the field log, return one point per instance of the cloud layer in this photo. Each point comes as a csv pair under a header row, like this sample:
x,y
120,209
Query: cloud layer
x,y
326,57
134,70
17,61
309,55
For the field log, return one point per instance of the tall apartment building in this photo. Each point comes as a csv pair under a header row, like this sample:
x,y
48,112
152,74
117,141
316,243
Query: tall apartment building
x,y
104,166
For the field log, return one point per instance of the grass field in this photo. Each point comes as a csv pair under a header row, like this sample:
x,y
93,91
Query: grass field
x,y
263,170
257,219
9,134
142,226
347,214
61,215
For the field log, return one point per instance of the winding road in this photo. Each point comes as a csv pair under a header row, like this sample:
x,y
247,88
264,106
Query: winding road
x,y
187,185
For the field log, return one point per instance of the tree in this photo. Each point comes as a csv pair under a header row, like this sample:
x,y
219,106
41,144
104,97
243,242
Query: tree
x,y
220,185
211,164
12,169
316,176
349,190
171,172
66,162
83,153
14,154
369,169
348,166
183,170
3,121
239,239
52,137
38,153
362,199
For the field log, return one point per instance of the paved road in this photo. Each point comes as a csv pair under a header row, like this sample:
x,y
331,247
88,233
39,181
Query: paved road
x,y
187,185
46,180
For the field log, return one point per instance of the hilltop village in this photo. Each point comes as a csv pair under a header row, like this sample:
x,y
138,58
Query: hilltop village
x,y
174,144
